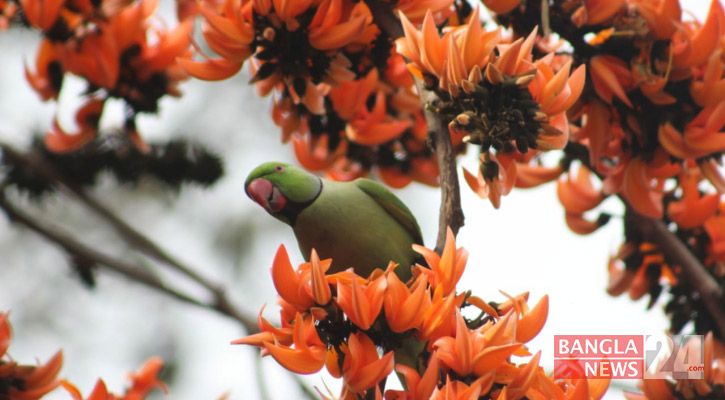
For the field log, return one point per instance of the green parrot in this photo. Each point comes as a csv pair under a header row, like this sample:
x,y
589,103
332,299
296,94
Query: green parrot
x,y
358,224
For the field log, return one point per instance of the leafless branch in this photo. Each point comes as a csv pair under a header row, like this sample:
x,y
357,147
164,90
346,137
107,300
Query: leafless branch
x,y
131,271
132,236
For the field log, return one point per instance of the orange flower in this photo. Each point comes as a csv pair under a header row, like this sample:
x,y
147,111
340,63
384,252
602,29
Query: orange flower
x,y
525,378
229,35
599,11
457,390
556,93
497,180
470,351
146,379
309,352
48,78
611,77
142,383
446,269
452,57
405,307
25,382
701,137
8,10
599,131
693,209
375,126
286,116
709,89
415,10
350,97
96,58
639,281
301,288
662,16
646,199
501,6
424,48
528,175
269,333
530,322
693,44
329,31
362,306
620,278
515,59
314,153
715,228
105,43
363,368
394,177
42,13
233,33
99,392
418,387
440,318
579,195
582,226
87,119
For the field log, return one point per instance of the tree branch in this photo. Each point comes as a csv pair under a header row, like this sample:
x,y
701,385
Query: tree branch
x,y
133,237
451,214
129,270
677,253
674,250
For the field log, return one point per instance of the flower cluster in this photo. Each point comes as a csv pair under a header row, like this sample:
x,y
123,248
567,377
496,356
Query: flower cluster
x,y
495,95
647,128
142,383
25,382
362,328
116,48
341,95
710,386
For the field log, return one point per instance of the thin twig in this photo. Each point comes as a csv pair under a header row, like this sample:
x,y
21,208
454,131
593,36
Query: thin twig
x,y
677,253
132,236
451,214
129,270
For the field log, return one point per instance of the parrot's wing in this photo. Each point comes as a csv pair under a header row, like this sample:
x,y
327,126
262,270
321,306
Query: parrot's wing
x,y
392,205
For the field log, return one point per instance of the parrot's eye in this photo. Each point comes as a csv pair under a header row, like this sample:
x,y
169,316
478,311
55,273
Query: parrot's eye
x,y
279,168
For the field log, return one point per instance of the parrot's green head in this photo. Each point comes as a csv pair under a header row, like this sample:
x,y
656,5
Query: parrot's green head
x,y
282,189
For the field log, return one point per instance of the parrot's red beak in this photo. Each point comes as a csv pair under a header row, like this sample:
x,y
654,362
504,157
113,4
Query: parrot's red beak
x,y
266,195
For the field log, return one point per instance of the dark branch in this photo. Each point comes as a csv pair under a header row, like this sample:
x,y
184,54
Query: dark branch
x,y
678,254
134,238
129,270
451,214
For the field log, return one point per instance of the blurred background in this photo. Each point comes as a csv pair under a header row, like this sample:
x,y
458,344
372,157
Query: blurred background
x,y
111,329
